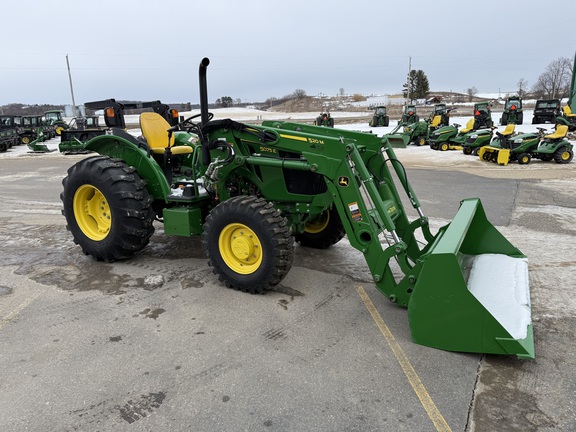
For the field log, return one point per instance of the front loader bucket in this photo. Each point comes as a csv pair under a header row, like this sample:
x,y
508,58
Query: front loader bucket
x,y
37,147
398,140
472,293
493,154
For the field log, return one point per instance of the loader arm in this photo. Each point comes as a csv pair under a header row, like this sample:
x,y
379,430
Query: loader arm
x,y
357,170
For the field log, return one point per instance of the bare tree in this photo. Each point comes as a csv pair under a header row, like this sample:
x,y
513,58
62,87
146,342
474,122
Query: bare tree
x,y
554,82
299,93
522,86
471,92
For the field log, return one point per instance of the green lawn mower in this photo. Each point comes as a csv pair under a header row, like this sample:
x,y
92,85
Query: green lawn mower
x,y
525,147
476,139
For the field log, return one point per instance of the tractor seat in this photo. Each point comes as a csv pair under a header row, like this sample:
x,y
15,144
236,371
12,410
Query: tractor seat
x,y
509,130
436,121
561,131
155,130
567,111
469,126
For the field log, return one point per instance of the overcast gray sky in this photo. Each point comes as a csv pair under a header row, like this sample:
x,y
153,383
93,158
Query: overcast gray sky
x,y
149,49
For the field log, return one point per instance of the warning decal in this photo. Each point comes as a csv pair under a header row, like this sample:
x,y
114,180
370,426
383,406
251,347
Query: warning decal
x,y
355,212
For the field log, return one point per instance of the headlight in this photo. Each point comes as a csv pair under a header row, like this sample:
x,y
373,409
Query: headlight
x,y
473,136
518,141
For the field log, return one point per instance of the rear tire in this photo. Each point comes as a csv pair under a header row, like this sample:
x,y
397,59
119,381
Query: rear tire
x,y
563,155
249,244
107,208
467,150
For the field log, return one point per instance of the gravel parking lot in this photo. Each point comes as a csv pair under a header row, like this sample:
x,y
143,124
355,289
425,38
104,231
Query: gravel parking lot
x,y
156,343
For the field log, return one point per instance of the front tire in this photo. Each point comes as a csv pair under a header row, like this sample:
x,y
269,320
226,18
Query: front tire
x,y
524,159
107,208
249,244
325,231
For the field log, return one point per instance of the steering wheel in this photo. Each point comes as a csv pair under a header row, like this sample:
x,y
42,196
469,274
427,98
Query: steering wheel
x,y
188,124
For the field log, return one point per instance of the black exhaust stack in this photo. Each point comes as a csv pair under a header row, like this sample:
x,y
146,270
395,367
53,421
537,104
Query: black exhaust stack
x,y
204,107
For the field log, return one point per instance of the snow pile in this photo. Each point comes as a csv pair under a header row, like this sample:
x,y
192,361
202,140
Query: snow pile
x,y
500,283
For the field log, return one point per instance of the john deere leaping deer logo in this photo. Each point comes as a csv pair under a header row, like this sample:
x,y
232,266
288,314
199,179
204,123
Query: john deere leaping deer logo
x,y
343,181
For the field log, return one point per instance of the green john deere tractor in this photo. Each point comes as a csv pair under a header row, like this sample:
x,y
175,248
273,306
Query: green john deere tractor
x,y
324,119
409,115
513,112
252,191
380,117
54,118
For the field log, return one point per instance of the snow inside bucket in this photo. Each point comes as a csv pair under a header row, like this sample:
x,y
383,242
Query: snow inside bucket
x,y
500,284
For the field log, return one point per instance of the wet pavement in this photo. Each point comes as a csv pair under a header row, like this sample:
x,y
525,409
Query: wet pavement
x,y
156,343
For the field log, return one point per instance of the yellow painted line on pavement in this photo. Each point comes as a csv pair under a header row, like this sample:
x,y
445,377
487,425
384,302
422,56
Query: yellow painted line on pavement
x,y
411,375
14,313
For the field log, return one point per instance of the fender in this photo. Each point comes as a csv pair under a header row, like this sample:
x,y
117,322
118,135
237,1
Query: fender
x,y
136,156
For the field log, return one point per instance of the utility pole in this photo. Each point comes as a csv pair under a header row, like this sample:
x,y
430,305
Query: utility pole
x,y
409,81
71,88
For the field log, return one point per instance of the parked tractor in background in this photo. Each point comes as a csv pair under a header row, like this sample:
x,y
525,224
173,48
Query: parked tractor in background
x,y
380,117
251,191
513,112
482,115
546,111
54,118
409,115
440,116
324,119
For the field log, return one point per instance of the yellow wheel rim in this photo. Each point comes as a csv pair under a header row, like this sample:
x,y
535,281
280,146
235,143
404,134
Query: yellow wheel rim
x,y
59,130
92,212
25,140
444,147
565,155
319,224
240,248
